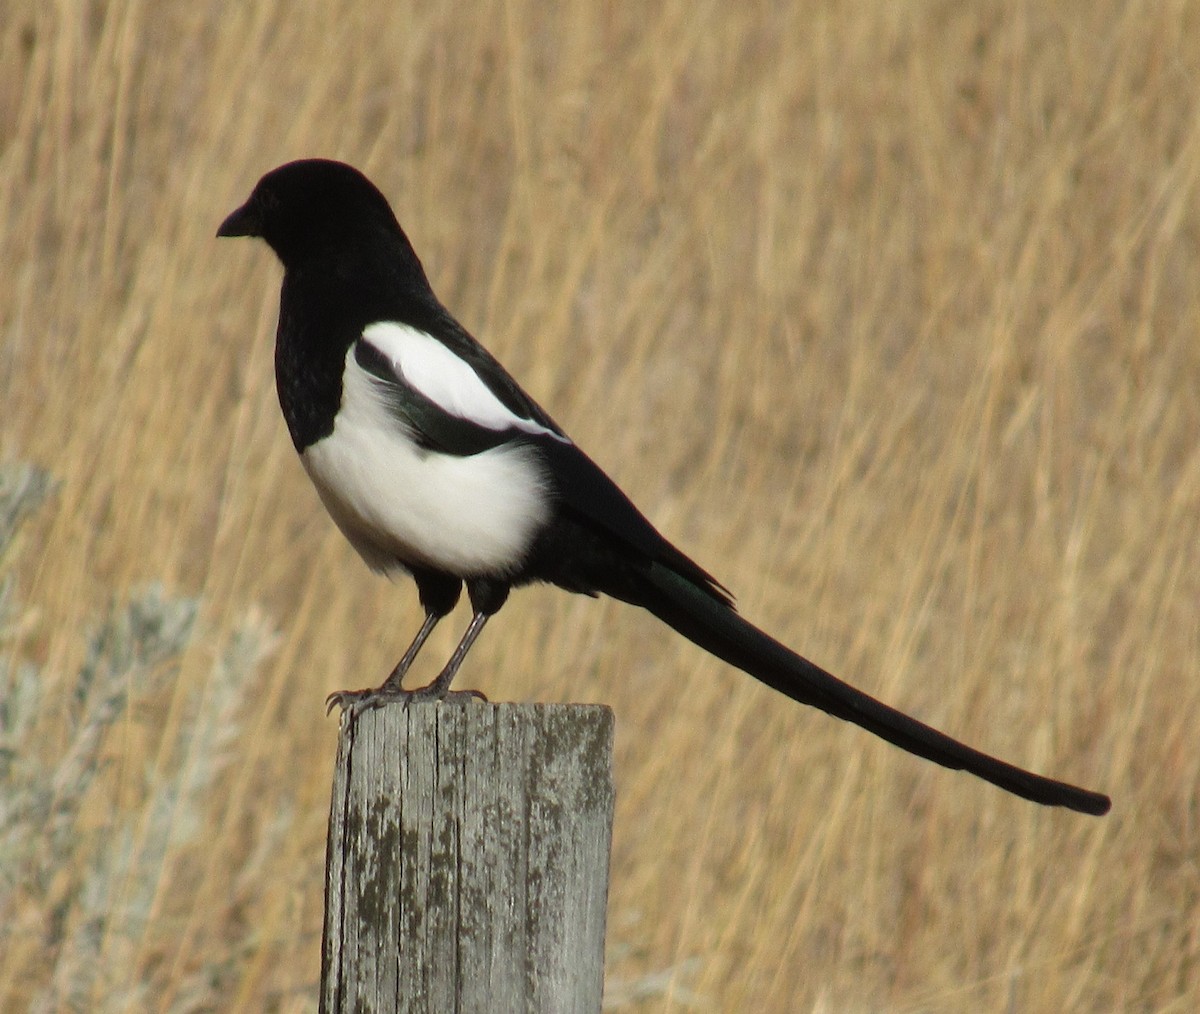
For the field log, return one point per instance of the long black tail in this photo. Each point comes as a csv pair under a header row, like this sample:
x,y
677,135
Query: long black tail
x,y
717,628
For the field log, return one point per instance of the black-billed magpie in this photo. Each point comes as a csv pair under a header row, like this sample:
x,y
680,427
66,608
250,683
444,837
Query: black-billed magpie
x,y
433,462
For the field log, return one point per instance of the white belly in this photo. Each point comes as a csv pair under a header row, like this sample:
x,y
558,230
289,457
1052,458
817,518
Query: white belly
x,y
397,503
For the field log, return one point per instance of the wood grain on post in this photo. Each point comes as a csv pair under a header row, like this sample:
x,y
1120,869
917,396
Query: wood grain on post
x,y
467,864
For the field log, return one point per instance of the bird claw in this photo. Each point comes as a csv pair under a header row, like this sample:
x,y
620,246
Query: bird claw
x,y
355,702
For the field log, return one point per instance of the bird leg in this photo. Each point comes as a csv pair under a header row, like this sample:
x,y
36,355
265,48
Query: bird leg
x,y
439,689
357,701
396,677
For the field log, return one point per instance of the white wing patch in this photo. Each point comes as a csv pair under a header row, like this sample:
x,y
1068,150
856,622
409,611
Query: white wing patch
x,y
449,382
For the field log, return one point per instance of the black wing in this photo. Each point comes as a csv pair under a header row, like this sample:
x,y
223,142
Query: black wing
x,y
581,488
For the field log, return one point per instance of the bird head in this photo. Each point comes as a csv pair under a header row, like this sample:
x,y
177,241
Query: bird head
x,y
313,206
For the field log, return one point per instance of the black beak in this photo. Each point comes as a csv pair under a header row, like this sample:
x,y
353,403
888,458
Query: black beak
x,y
246,221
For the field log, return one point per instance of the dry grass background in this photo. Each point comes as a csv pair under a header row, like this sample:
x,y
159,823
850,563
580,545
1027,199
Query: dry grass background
x,y
887,313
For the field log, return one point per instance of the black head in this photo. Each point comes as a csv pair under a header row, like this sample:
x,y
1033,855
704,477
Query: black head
x,y
315,206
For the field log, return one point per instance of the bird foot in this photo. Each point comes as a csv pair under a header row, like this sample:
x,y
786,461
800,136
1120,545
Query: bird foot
x,y
357,701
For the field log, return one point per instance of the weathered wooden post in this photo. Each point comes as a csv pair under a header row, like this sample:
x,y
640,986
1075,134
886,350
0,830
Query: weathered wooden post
x,y
467,863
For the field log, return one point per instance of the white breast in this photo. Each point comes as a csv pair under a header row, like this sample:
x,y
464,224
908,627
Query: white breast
x,y
395,502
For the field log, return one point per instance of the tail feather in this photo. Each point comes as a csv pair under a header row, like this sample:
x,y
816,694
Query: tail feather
x,y
717,628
